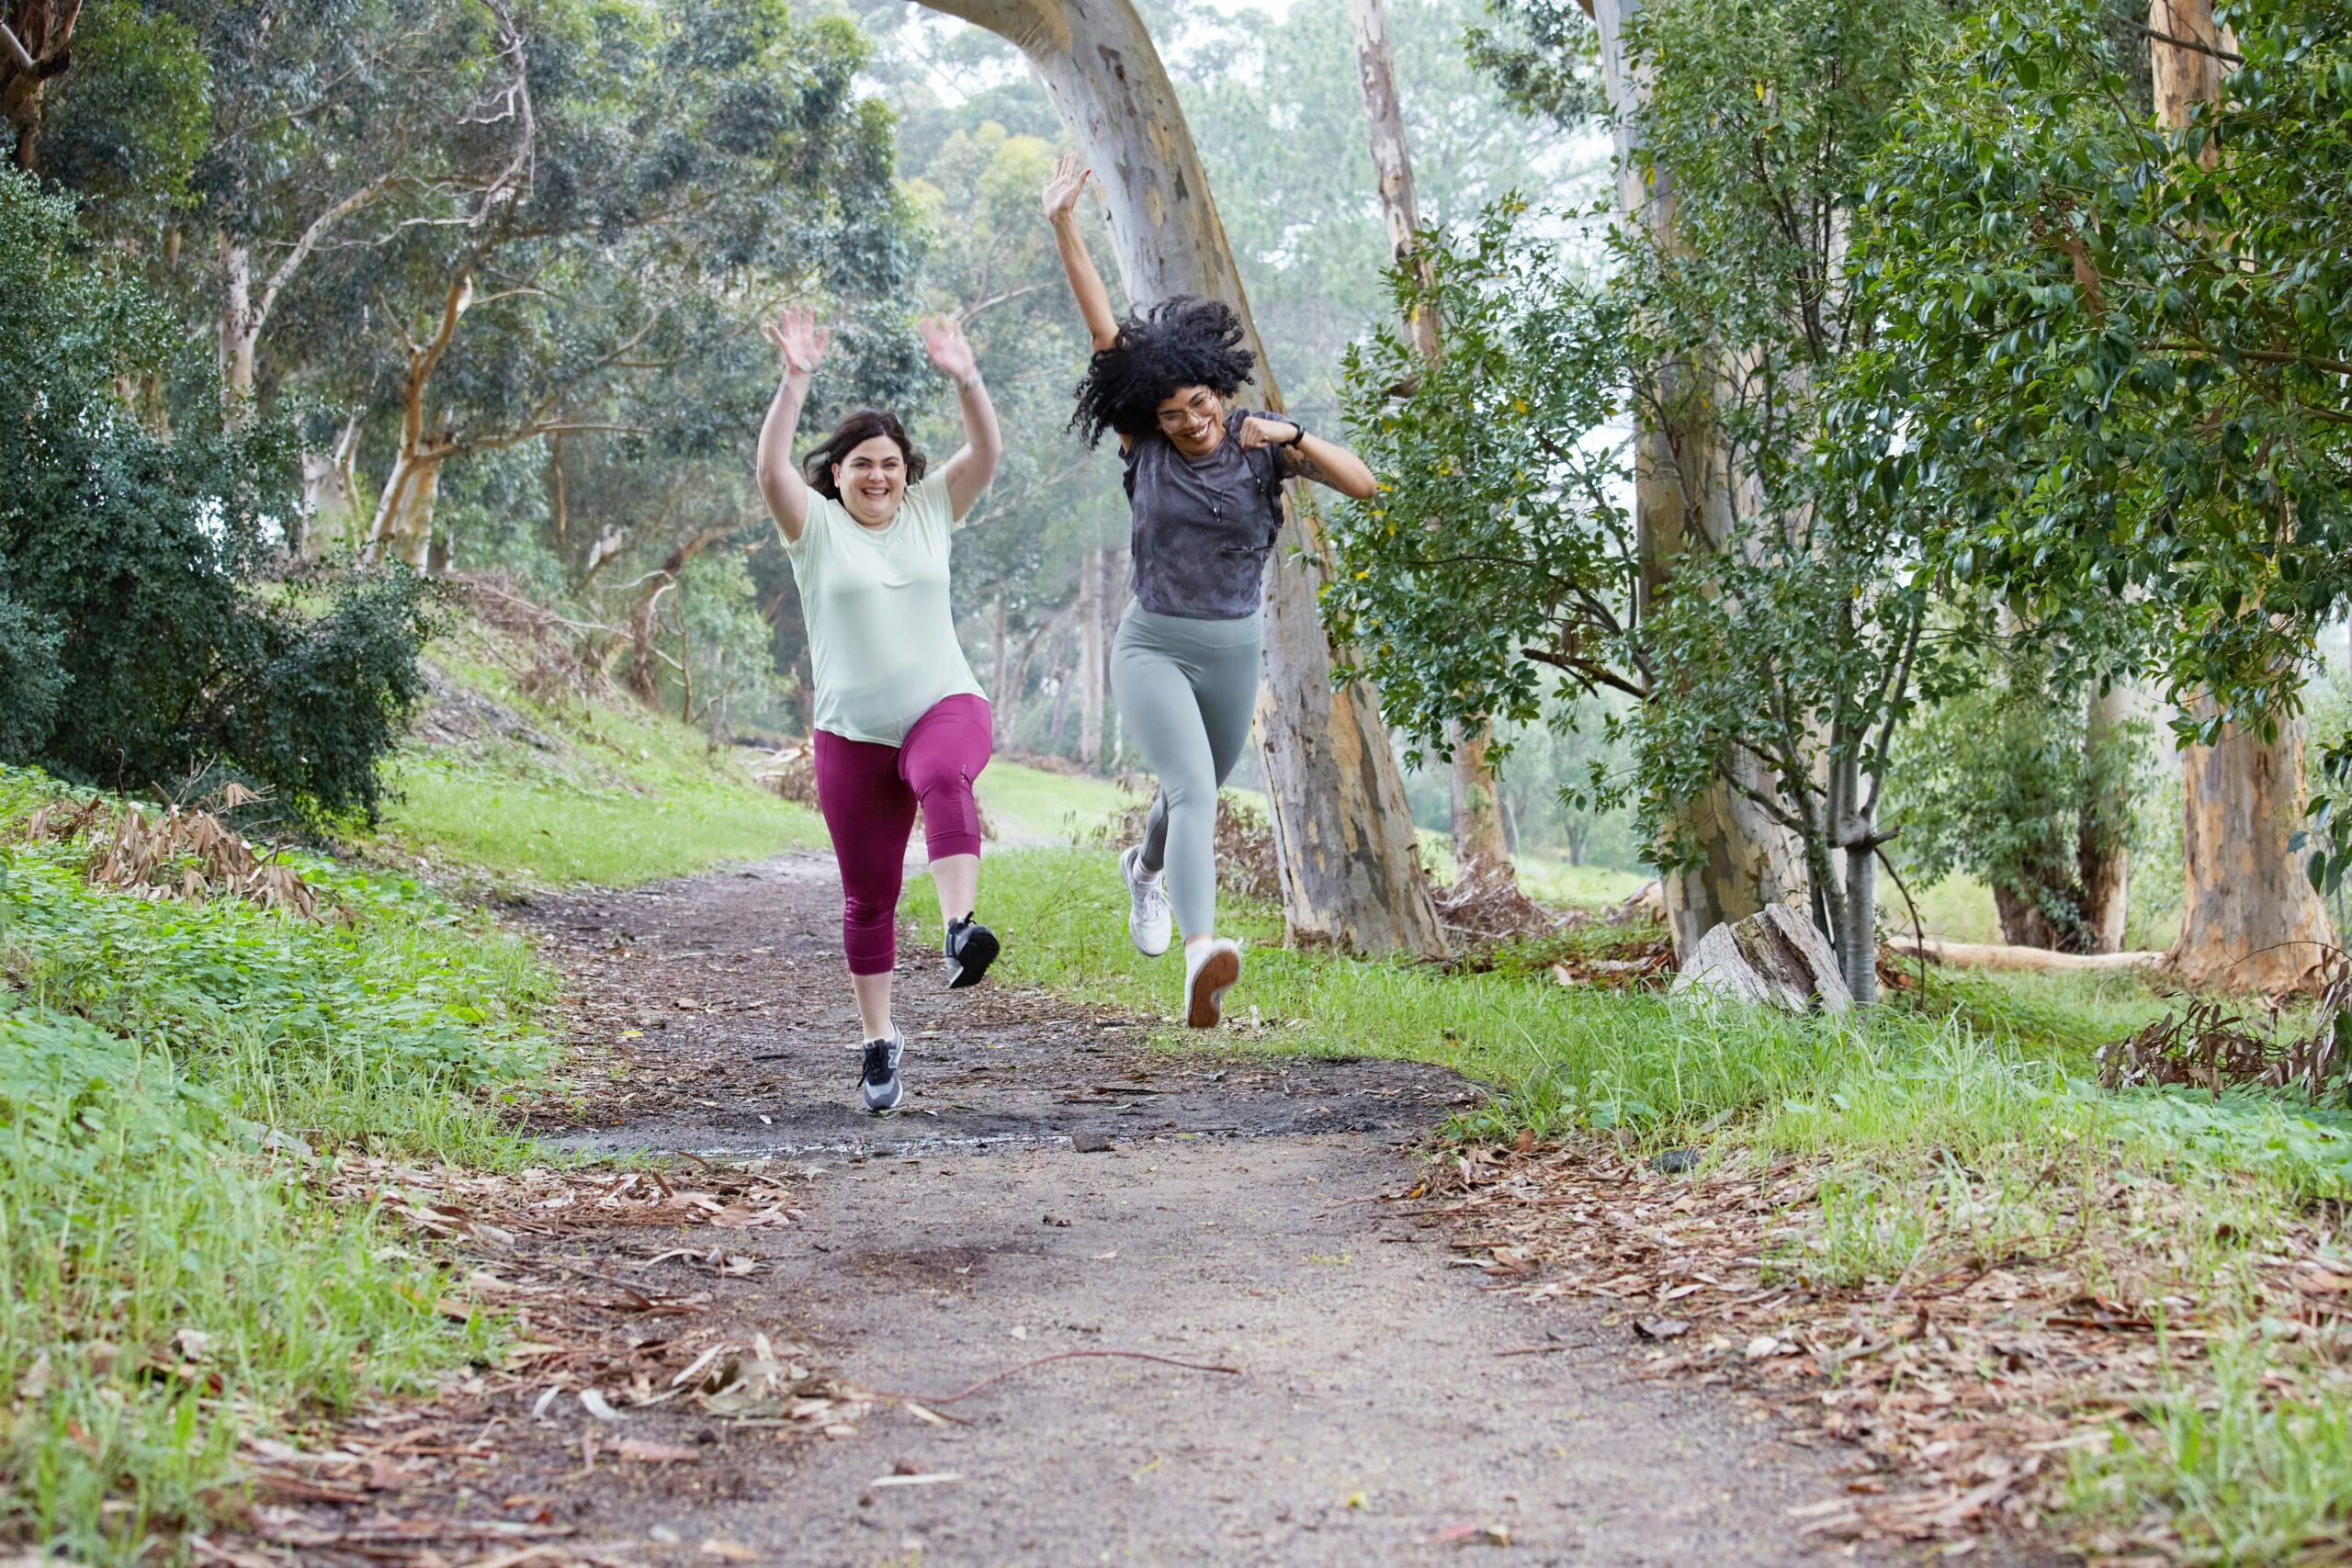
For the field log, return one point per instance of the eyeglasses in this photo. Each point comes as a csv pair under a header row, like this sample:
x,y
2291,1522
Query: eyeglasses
x,y
1203,406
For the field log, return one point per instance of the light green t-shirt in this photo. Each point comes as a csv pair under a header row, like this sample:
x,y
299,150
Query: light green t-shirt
x,y
881,637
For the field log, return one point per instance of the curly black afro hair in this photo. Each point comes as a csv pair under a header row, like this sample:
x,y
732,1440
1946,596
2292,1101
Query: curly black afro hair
x,y
1182,341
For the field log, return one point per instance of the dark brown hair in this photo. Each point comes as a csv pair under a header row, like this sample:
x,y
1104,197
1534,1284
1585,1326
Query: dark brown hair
x,y
858,427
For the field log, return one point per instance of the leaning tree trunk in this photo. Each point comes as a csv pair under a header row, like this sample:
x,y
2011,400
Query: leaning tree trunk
x,y
37,49
403,528
1343,836
1748,861
1480,852
2250,920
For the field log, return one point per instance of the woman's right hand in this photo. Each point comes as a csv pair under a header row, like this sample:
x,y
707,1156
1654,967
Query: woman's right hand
x,y
1063,186
798,338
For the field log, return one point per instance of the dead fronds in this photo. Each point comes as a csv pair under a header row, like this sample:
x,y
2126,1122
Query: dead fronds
x,y
1245,866
2212,1046
183,853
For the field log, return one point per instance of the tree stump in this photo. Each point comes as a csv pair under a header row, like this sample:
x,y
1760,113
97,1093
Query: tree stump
x,y
1775,957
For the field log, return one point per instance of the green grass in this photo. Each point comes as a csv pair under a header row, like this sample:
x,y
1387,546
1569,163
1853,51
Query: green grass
x,y
610,793
157,1059
1970,1125
1027,806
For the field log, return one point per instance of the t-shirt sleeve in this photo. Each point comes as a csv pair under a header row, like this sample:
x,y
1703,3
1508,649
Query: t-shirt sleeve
x,y
934,509
803,550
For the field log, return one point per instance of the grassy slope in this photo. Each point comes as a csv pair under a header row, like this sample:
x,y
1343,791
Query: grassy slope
x,y
1974,1122
148,1051
609,793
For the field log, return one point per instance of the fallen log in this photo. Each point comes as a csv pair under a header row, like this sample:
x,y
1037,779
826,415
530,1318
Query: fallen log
x,y
2000,955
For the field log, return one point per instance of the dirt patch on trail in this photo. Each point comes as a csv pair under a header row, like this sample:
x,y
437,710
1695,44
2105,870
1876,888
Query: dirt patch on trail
x,y
1211,1342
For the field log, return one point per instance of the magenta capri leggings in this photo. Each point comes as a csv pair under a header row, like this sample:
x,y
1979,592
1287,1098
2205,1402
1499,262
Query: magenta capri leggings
x,y
869,794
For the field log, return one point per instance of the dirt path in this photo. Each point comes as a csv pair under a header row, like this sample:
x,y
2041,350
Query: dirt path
x,y
1385,1408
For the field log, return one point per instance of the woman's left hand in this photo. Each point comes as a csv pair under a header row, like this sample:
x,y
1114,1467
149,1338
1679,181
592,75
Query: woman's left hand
x,y
943,339
1258,431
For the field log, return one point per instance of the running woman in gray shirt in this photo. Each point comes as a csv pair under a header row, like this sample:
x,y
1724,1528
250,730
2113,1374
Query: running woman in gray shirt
x,y
1204,486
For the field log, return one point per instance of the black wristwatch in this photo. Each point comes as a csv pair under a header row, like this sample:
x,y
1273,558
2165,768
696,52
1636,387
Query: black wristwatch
x,y
1298,430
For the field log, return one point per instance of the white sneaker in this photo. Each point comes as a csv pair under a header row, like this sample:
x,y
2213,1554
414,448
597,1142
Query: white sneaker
x,y
1210,969
1148,918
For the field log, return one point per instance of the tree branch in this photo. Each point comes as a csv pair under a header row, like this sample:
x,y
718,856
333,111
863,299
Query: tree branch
x,y
309,240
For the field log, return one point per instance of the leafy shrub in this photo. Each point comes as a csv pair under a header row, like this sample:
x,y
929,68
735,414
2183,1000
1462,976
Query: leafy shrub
x,y
137,644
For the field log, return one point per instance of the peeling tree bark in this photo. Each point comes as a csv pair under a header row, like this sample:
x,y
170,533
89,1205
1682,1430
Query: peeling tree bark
x,y
1681,503
35,47
1342,834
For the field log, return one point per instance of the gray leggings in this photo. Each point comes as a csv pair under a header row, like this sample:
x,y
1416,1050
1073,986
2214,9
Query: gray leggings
x,y
1186,690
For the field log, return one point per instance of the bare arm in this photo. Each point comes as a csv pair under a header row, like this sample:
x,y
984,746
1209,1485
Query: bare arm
x,y
1311,457
1062,188
967,472
801,341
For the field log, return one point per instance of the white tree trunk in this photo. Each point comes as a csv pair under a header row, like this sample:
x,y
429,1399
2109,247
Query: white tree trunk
x,y
331,495
1343,837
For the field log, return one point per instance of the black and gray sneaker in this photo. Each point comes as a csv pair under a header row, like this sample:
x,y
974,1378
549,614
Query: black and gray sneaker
x,y
880,1080
971,948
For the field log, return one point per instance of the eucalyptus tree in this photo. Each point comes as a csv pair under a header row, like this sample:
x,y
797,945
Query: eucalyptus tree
x,y
1481,849
1344,839
1726,314
615,193
2120,342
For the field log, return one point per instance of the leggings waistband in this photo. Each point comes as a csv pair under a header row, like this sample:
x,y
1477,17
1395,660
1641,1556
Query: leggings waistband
x,y
1178,632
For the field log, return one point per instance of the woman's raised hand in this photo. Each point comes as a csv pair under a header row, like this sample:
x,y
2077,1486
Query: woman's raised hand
x,y
943,339
798,338
1063,186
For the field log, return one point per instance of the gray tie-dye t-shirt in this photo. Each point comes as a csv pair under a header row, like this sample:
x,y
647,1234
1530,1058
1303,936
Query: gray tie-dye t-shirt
x,y
1204,527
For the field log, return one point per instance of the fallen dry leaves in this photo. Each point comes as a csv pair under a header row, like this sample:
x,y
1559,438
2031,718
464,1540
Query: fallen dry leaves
x,y
1961,1384
623,1354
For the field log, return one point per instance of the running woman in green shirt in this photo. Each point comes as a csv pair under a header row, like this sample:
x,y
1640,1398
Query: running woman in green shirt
x,y
900,721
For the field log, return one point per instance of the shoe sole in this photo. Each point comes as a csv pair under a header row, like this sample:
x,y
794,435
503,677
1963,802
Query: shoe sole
x,y
979,952
898,1093
1219,972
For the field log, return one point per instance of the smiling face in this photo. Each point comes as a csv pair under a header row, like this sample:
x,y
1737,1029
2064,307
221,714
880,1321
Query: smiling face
x,y
1192,418
872,477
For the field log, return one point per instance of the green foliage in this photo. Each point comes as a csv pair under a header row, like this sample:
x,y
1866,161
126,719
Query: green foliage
x,y
132,117
2000,780
1496,547
1761,618
2114,352
1545,56
129,562
148,1049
